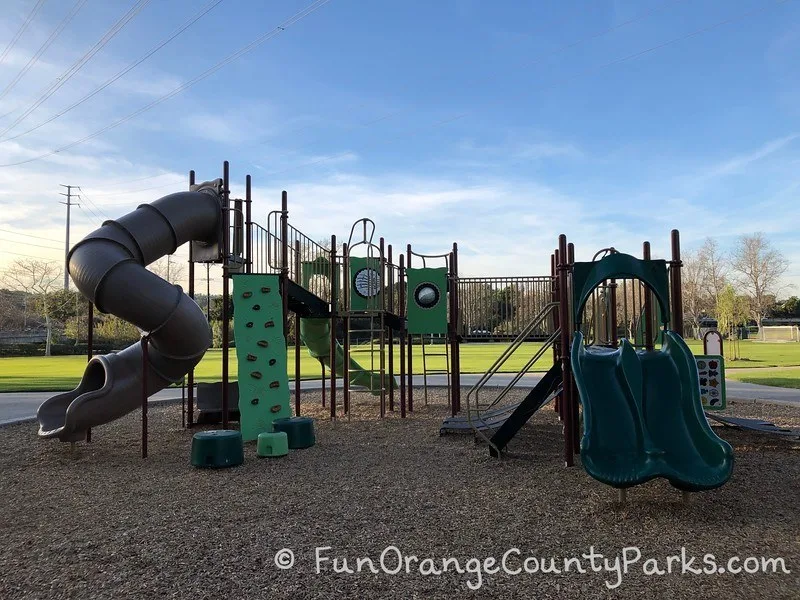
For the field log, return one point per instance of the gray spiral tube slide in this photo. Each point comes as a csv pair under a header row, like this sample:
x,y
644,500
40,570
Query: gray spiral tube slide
x,y
108,267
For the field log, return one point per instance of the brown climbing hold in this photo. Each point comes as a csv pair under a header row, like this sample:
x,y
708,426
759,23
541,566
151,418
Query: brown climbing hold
x,y
275,384
256,374
256,307
276,408
249,324
272,362
269,324
254,401
265,290
247,294
263,343
252,357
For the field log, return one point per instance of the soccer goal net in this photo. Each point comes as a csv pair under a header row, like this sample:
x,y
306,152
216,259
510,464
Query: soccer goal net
x,y
780,333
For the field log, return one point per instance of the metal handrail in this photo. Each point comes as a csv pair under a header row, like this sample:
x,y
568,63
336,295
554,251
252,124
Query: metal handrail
x,y
484,379
545,346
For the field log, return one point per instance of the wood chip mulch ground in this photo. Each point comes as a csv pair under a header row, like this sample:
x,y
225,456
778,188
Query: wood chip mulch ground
x,y
103,523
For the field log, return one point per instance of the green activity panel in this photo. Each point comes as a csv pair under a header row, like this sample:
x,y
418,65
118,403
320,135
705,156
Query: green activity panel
x,y
711,373
365,283
426,305
261,353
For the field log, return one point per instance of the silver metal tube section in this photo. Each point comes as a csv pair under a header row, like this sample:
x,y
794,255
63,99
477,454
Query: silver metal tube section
x,y
108,267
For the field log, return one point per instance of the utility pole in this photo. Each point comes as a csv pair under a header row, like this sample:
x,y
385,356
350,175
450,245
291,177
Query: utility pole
x,y
69,204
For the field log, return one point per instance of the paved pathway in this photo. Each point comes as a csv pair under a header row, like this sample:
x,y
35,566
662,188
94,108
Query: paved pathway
x,y
17,406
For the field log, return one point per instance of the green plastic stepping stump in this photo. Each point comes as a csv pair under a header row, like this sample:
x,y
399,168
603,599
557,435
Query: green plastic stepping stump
x,y
273,443
217,449
300,431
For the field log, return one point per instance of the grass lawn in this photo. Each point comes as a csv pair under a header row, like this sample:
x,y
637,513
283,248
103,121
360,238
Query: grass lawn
x,y
63,372
788,378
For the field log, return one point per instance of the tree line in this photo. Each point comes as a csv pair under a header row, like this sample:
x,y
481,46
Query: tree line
x,y
736,288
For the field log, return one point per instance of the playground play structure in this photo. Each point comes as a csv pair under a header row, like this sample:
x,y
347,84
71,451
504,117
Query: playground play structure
x,y
598,322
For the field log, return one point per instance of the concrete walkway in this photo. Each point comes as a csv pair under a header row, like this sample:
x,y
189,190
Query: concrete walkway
x,y
21,406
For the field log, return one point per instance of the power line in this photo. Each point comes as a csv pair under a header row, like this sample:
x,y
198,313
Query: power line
x,y
90,213
48,42
29,244
77,65
26,255
590,70
205,10
155,187
232,57
90,201
116,183
38,237
23,28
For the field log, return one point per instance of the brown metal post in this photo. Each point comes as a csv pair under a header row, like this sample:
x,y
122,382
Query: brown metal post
x,y
390,273
612,287
144,341
285,259
455,361
334,293
190,377
410,349
225,289
675,282
297,269
346,327
248,216
381,337
573,405
89,351
401,312
566,371
648,306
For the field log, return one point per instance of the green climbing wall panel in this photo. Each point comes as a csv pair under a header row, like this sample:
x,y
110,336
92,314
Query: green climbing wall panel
x,y
365,283
261,352
427,300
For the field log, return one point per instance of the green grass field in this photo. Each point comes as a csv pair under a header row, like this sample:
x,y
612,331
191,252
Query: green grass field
x,y
63,372
787,377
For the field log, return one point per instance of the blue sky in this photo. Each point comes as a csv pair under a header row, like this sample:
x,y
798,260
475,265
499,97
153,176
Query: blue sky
x,y
496,125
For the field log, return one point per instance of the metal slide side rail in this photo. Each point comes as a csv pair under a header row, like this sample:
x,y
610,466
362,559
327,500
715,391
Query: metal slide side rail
x,y
479,424
546,345
507,353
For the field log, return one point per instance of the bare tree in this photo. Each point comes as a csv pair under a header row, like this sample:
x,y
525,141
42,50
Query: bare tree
x,y
37,278
169,269
759,268
715,269
695,294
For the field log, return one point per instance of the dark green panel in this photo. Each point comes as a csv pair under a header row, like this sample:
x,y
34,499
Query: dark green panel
x,y
261,353
365,283
426,302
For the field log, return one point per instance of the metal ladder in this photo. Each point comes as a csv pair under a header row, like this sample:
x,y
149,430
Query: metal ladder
x,y
426,370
